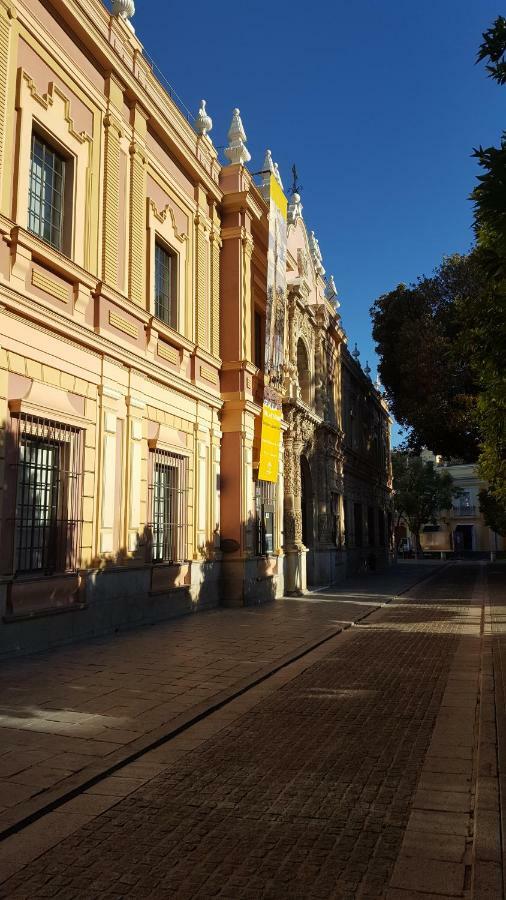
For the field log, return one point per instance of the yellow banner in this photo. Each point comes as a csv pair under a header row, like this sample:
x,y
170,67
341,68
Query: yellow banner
x,y
278,197
269,444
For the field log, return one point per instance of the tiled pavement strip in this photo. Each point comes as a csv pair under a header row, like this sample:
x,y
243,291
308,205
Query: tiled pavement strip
x,y
69,715
349,773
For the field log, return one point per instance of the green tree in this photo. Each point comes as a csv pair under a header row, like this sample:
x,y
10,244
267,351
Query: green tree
x,y
425,368
420,491
493,512
486,314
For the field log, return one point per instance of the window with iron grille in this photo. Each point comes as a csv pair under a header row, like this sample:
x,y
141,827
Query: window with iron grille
x,y
265,506
47,521
168,502
46,192
165,285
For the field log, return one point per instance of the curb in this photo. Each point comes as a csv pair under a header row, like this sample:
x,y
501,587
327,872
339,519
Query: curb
x,y
31,810
488,841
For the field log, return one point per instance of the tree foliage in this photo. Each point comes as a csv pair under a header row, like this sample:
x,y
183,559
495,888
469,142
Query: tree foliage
x,y
486,322
420,490
425,369
494,513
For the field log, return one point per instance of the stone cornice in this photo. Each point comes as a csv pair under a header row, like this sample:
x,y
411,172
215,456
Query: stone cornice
x,y
117,51
47,319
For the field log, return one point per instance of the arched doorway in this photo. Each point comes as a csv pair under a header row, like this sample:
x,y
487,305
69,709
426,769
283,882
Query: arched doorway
x,y
307,506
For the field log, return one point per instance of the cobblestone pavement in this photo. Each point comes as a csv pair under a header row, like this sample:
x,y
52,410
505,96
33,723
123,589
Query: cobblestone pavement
x,y
70,713
350,774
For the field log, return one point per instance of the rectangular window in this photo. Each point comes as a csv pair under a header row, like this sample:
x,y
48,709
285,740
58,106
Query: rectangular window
x,y
265,505
47,524
46,193
165,285
168,503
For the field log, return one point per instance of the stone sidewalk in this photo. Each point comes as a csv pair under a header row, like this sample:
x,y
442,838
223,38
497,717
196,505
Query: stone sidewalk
x,y
361,770
68,715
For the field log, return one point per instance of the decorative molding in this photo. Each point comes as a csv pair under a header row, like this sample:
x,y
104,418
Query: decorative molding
x,y
123,325
46,100
109,392
167,352
162,216
208,374
45,283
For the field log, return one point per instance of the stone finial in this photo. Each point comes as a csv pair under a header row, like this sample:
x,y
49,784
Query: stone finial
x,y
278,176
377,383
356,353
294,209
203,122
267,171
237,152
316,254
367,369
331,292
123,9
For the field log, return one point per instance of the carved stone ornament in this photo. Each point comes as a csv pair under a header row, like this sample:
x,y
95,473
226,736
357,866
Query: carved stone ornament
x,y
294,210
331,292
237,152
267,171
316,254
123,9
203,122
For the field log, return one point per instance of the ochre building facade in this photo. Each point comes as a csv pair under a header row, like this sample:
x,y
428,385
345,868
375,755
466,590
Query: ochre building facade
x,y
134,271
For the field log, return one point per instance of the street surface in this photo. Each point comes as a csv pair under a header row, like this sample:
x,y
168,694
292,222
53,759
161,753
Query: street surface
x,y
366,768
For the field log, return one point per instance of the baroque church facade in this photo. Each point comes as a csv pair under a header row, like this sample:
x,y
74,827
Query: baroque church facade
x,y
182,422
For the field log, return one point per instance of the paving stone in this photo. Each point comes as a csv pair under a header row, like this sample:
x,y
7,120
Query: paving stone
x,y
308,793
439,877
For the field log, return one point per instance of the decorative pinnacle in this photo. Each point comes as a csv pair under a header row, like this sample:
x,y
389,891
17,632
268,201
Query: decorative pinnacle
x,y
236,152
203,122
278,176
124,9
331,291
294,209
367,369
316,254
356,353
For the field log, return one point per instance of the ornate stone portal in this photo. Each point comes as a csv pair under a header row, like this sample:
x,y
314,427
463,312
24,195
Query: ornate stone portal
x,y
313,454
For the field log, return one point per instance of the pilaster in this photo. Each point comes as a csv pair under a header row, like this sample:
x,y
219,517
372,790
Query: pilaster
x,y
137,210
8,37
202,280
111,205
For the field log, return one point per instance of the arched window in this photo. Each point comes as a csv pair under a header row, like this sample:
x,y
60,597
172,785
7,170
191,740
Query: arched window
x,y
303,372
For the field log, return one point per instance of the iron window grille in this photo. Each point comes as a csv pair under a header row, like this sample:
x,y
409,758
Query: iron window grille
x,y
265,506
47,522
165,281
46,192
168,502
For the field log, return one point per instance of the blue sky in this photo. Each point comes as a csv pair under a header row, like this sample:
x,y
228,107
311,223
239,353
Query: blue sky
x,y
378,103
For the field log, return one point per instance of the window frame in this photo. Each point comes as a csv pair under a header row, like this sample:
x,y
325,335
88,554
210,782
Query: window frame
x,y
160,245
265,505
59,533
178,541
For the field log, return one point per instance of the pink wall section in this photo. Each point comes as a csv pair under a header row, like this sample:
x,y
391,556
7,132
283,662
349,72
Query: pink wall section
x,y
165,159
42,75
68,42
